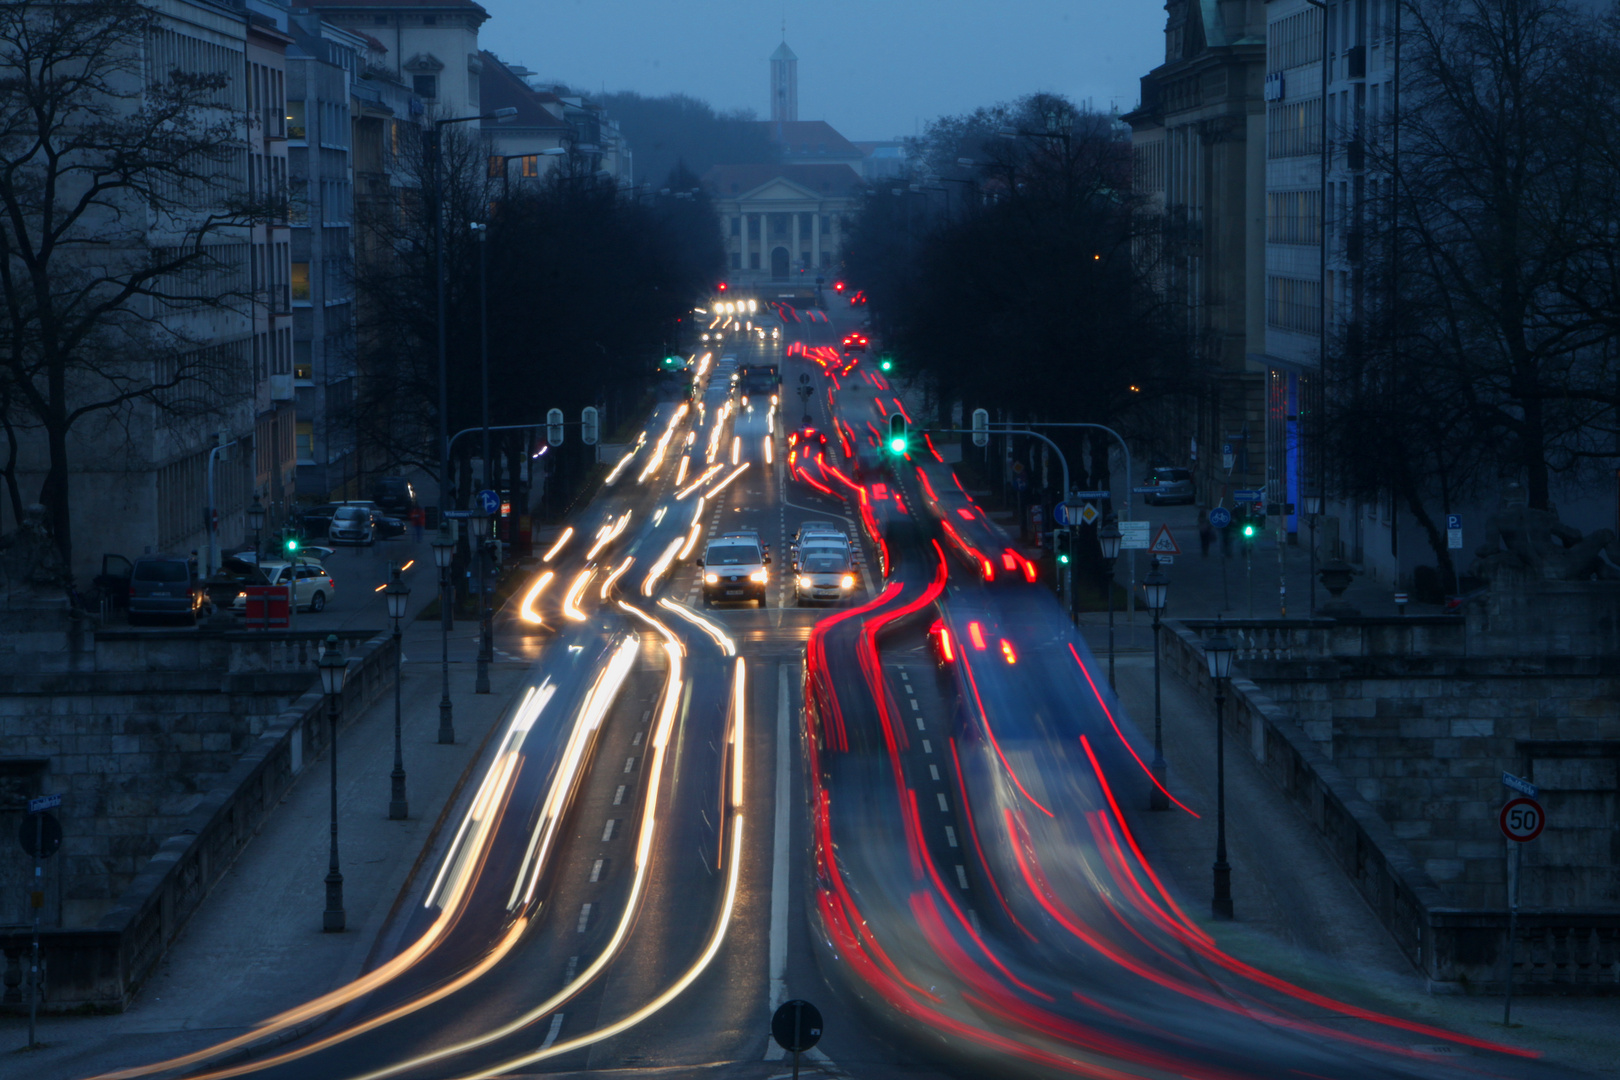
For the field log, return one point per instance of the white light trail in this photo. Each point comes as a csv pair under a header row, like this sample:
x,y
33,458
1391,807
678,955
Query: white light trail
x,y
618,470
718,488
702,479
561,540
721,638
575,591
528,611
660,567
616,575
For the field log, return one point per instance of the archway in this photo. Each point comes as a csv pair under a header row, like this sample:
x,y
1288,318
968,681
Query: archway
x,y
779,264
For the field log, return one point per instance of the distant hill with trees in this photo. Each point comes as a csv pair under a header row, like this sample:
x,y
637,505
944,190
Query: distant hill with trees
x,y
664,132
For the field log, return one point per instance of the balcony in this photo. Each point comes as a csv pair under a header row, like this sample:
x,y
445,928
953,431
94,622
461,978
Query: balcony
x,y
281,387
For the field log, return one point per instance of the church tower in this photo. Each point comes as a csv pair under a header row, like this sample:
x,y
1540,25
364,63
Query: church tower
x,y
784,84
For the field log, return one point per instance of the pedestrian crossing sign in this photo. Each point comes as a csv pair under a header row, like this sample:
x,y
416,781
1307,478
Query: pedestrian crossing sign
x,y
1164,543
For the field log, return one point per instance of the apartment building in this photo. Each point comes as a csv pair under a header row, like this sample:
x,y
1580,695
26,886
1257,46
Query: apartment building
x,y
431,46
1198,142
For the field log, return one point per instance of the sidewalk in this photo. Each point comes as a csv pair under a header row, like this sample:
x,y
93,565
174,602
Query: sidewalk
x,y
255,946
1297,914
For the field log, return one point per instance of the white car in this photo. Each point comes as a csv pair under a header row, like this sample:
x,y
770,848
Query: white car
x,y
312,585
825,574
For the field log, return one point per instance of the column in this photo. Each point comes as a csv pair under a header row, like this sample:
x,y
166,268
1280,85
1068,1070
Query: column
x,y
744,217
815,239
793,255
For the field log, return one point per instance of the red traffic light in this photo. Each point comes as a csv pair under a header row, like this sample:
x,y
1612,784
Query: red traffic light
x,y
838,286
722,287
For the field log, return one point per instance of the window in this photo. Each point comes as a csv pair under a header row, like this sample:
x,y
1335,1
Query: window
x,y
295,120
426,86
497,167
303,367
531,165
306,441
300,283
1293,304
1294,40
806,223
1294,129
736,260
1293,217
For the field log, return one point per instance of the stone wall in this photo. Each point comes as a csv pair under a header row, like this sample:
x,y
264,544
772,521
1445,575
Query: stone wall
x,y
134,742
100,965
1395,754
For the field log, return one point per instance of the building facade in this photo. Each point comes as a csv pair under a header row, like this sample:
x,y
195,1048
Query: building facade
x,y
1198,141
431,46
782,224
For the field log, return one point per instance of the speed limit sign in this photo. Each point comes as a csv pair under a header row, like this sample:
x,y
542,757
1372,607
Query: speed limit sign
x,y
1522,820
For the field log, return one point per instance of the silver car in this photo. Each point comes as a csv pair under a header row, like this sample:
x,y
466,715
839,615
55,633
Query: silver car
x,y
352,525
825,574
1170,486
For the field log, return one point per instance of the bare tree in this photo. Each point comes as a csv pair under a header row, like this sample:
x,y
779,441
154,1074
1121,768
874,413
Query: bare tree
x,y
106,155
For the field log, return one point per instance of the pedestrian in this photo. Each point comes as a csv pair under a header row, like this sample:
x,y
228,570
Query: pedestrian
x,y
418,520
1206,532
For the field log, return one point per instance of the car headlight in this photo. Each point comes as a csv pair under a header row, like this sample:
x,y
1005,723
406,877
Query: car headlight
x,y
804,582
848,581
758,576
711,579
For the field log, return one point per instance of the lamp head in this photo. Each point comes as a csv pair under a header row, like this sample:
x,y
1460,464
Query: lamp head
x,y
444,547
256,514
398,595
1157,586
1218,652
1109,538
334,668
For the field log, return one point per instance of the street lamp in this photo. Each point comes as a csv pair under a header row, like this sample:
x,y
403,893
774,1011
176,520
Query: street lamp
x,y
1313,507
1109,537
1218,652
444,553
1157,587
398,595
255,516
479,519
333,670
436,146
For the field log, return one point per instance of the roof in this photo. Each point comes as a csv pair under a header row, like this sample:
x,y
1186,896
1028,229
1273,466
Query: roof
x,y
811,137
783,53
729,181
500,88
414,5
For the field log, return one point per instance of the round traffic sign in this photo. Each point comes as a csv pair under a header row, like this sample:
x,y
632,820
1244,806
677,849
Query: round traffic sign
x,y
490,501
796,1026
1220,517
1522,819
40,834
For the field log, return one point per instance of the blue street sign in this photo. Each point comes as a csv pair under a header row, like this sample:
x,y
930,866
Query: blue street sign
x,y
1151,489
490,501
1089,495
1248,496
1220,517
458,515
1453,521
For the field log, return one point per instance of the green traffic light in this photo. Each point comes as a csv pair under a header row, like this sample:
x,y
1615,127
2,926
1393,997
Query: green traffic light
x,y
1248,530
887,365
897,445
1063,559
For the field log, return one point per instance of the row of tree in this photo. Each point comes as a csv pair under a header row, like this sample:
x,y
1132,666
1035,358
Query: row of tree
x,y
1485,340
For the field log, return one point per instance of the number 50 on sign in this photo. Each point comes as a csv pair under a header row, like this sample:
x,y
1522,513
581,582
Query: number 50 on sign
x,y
1522,820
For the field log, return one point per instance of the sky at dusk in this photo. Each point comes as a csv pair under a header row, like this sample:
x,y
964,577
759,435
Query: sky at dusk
x,y
875,70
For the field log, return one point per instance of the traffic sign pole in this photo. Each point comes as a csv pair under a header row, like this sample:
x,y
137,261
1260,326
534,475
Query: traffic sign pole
x,y
1521,821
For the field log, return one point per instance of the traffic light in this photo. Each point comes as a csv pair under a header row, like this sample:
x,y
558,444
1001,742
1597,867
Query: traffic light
x,y
1250,520
721,287
899,438
838,286
886,364
1061,546
289,544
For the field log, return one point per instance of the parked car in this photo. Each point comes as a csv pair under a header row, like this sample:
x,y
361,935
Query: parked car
x,y
352,525
312,585
165,586
306,552
113,581
1170,485
394,495
317,520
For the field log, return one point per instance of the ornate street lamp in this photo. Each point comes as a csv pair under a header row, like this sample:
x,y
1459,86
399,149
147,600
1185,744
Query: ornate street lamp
x,y
1109,537
444,553
334,670
1157,587
1218,652
398,595
480,526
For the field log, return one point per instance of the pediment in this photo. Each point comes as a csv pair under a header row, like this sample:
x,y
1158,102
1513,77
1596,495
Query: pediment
x,y
782,189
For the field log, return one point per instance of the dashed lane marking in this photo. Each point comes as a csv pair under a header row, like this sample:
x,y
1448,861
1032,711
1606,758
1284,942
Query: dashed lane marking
x,y
938,796
612,823
584,917
629,763
950,836
920,724
914,706
927,749
618,796
551,1035
596,867
961,876
933,770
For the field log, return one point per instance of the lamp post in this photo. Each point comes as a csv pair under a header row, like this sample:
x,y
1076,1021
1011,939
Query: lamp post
x,y
333,671
479,520
436,146
1157,587
1218,652
1313,507
444,553
1109,537
398,595
255,516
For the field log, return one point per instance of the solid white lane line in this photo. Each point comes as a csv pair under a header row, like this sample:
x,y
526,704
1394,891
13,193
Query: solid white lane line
x,y
779,857
556,1026
584,917
950,835
961,875
596,869
942,805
